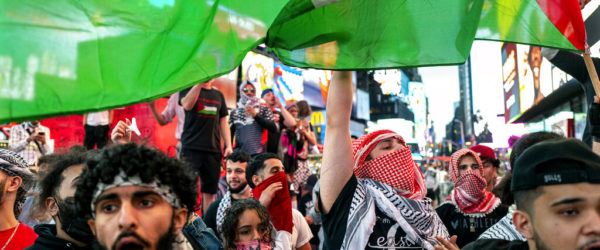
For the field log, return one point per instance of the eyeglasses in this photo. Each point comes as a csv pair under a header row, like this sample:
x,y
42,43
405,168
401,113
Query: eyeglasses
x,y
249,90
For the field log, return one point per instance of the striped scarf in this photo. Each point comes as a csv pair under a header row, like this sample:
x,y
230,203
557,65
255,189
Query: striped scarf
x,y
504,229
223,206
417,218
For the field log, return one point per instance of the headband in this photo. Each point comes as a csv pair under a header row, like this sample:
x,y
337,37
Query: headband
x,y
122,180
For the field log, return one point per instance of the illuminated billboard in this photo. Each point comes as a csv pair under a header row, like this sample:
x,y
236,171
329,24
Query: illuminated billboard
x,y
527,78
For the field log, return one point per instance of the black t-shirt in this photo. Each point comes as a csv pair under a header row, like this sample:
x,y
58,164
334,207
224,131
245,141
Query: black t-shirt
x,y
460,225
305,203
494,244
202,130
334,225
210,217
273,137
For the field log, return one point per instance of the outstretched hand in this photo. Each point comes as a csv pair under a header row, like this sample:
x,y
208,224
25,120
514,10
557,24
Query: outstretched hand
x,y
447,244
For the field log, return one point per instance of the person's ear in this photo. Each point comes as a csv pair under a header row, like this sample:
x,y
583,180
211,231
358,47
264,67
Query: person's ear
x,y
92,225
523,224
14,183
51,206
256,180
179,219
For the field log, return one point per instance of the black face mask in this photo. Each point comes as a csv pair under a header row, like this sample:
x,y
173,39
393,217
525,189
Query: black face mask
x,y
71,223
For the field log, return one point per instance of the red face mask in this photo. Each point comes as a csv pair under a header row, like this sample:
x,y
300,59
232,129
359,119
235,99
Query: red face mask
x,y
280,207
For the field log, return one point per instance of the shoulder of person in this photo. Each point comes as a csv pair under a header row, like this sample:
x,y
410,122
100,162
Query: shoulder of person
x,y
484,244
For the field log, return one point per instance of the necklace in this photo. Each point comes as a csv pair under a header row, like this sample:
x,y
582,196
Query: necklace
x,y
11,236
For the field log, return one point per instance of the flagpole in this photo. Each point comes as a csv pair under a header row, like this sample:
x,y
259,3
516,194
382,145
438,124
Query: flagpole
x,y
589,63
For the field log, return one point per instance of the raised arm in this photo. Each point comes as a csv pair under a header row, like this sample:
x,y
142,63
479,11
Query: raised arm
x,y
336,169
189,100
288,120
158,116
226,135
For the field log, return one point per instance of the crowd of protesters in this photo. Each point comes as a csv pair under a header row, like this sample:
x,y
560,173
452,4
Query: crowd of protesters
x,y
370,193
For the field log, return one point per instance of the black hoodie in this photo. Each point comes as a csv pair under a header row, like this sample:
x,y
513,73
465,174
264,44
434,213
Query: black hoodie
x,y
47,239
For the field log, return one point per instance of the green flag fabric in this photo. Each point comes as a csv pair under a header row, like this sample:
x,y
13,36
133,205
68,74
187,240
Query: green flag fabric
x,y
63,56
366,34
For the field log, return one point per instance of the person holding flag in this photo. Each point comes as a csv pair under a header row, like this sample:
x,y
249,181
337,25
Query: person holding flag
x,y
372,193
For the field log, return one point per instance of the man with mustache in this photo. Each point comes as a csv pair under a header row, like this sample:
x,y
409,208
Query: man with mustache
x,y
556,184
136,197
237,186
57,197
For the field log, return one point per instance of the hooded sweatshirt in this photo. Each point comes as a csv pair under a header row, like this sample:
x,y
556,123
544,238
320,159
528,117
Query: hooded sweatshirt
x,y
47,239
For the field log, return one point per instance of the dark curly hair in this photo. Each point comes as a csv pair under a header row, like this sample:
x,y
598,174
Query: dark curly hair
x,y
232,218
238,156
50,183
133,159
256,165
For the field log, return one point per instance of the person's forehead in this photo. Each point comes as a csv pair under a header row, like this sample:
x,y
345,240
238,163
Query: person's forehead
x,y
236,165
126,192
72,171
70,174
270,163
248,218
467,158
389,140
585,191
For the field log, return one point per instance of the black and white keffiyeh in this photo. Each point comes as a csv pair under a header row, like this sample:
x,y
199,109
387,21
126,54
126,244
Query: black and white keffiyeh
x,y
122,180
238,115
223,206
417,218
504,229
14,165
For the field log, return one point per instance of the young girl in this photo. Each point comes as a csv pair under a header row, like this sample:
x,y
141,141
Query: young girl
x,y
247,226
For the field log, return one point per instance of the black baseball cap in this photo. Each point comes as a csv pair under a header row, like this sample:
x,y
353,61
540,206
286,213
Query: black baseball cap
x,y
555,162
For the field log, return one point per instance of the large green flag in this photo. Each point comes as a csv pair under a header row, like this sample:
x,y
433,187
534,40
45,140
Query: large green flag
x,y
64,56
370,34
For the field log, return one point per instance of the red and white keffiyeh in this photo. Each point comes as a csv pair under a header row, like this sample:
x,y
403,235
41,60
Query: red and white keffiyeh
x,y
396,169
469,193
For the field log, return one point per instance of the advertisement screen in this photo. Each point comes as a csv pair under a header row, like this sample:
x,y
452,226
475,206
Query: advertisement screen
x,y
316,84
227,85
258,70
527,77
535,76
288,83
510,81
393,82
